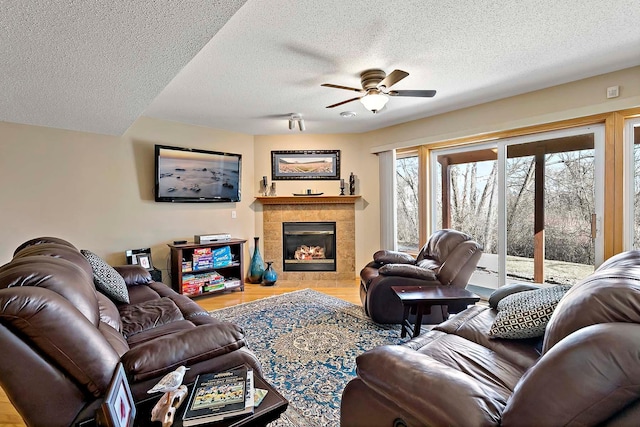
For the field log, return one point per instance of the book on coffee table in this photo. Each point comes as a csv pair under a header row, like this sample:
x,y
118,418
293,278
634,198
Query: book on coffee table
x,y
221,395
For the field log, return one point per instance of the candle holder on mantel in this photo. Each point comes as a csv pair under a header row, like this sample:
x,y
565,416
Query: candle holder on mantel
x,y
342,187
352,184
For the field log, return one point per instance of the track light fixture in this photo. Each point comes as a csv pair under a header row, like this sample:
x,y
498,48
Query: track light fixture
x,y
297,118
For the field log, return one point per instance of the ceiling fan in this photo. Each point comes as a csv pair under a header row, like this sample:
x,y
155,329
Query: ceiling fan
x,y
375,86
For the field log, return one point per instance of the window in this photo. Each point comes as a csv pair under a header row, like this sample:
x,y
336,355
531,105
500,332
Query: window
x,y
407,208
632,148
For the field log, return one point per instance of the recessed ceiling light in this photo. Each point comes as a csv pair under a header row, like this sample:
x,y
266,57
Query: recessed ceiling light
x,y
348,114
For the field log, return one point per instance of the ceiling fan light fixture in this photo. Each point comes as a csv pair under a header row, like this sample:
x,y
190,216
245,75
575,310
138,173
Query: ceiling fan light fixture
x,y
374,102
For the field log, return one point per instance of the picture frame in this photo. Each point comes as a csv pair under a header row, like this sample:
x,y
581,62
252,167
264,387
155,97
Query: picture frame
x,y
118,408
141,257
305,165
145,261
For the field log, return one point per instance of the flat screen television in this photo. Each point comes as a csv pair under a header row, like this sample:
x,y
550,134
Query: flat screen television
x,y
191,175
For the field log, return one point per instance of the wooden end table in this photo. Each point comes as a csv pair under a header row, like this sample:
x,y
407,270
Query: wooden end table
x,y
273,405
418,299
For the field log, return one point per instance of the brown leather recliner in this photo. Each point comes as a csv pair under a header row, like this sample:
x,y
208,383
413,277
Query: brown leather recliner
x,y
61,340
584,371
447,259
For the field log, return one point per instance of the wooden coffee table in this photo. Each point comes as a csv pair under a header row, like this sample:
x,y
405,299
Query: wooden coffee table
x,y
419,299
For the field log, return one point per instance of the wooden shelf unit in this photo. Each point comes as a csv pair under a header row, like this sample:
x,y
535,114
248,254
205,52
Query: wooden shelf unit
x,y
185,251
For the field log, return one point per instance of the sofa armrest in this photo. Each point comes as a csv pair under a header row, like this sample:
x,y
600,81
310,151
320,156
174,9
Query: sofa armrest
x,y
133,274
162,355
428,390
406,270
506,290
384,256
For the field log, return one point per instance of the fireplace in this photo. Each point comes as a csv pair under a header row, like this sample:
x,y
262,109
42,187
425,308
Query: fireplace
x,y
309,246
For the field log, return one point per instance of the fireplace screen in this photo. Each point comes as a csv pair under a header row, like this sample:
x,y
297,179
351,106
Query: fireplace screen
x,y
309,246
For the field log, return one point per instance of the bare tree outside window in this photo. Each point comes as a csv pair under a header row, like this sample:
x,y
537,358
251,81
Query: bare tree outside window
x,y
568,205
407,203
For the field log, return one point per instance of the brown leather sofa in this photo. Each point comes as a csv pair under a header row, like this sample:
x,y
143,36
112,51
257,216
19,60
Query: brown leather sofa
x,y
61,340
586,372
447,259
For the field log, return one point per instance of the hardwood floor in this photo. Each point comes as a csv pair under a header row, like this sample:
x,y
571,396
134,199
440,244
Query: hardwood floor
x,y
346,290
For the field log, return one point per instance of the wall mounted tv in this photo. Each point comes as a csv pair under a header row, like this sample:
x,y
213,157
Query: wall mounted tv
x,y
191,175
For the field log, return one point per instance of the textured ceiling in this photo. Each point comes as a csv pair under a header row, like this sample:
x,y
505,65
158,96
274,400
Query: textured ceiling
x,y
97,66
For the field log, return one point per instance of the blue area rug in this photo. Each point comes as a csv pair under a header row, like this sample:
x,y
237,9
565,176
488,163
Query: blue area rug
x,y
307,343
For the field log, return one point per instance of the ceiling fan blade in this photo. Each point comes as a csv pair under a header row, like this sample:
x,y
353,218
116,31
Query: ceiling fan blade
x,y
419,93
393,78
342,87
343,102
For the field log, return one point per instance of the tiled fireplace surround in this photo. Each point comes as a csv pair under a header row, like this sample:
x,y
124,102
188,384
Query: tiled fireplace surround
x,y
277,210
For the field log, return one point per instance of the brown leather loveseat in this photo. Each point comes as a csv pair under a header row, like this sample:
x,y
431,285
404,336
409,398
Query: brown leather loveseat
x,y
584,371
61,339
447,259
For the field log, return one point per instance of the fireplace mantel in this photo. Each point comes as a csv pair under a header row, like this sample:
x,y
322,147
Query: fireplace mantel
x,y
306,200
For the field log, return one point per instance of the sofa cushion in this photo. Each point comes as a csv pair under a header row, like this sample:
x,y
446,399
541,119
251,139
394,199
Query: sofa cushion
x,y
474,324
606,296
429,264
106,278
584,380
526,314
151,314
57,275
156,357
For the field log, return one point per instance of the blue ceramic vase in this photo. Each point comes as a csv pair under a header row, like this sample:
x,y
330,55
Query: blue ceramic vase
x,y
270,276
256,269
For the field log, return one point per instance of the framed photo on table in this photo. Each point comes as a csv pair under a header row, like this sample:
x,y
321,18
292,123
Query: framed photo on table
x,y
141,257
145,261
307,164
118,408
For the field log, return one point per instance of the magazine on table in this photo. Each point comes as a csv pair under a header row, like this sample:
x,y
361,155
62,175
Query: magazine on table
x,y
221,395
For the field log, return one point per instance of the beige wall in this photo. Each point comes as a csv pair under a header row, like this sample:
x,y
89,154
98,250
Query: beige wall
x,y
97,191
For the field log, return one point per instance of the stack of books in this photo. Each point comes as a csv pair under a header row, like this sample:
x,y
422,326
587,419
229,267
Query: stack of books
x,y
202,259
222,395
195,284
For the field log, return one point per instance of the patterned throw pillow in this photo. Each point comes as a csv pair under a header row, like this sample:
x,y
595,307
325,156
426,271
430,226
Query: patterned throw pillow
x,y
106,278
526,314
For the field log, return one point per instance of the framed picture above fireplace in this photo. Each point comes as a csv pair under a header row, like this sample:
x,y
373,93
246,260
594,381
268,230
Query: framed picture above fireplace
x,y
306,164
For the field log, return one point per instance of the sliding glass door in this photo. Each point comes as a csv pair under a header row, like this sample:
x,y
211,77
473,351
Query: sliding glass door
x,y
465,189
534,202
632,184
